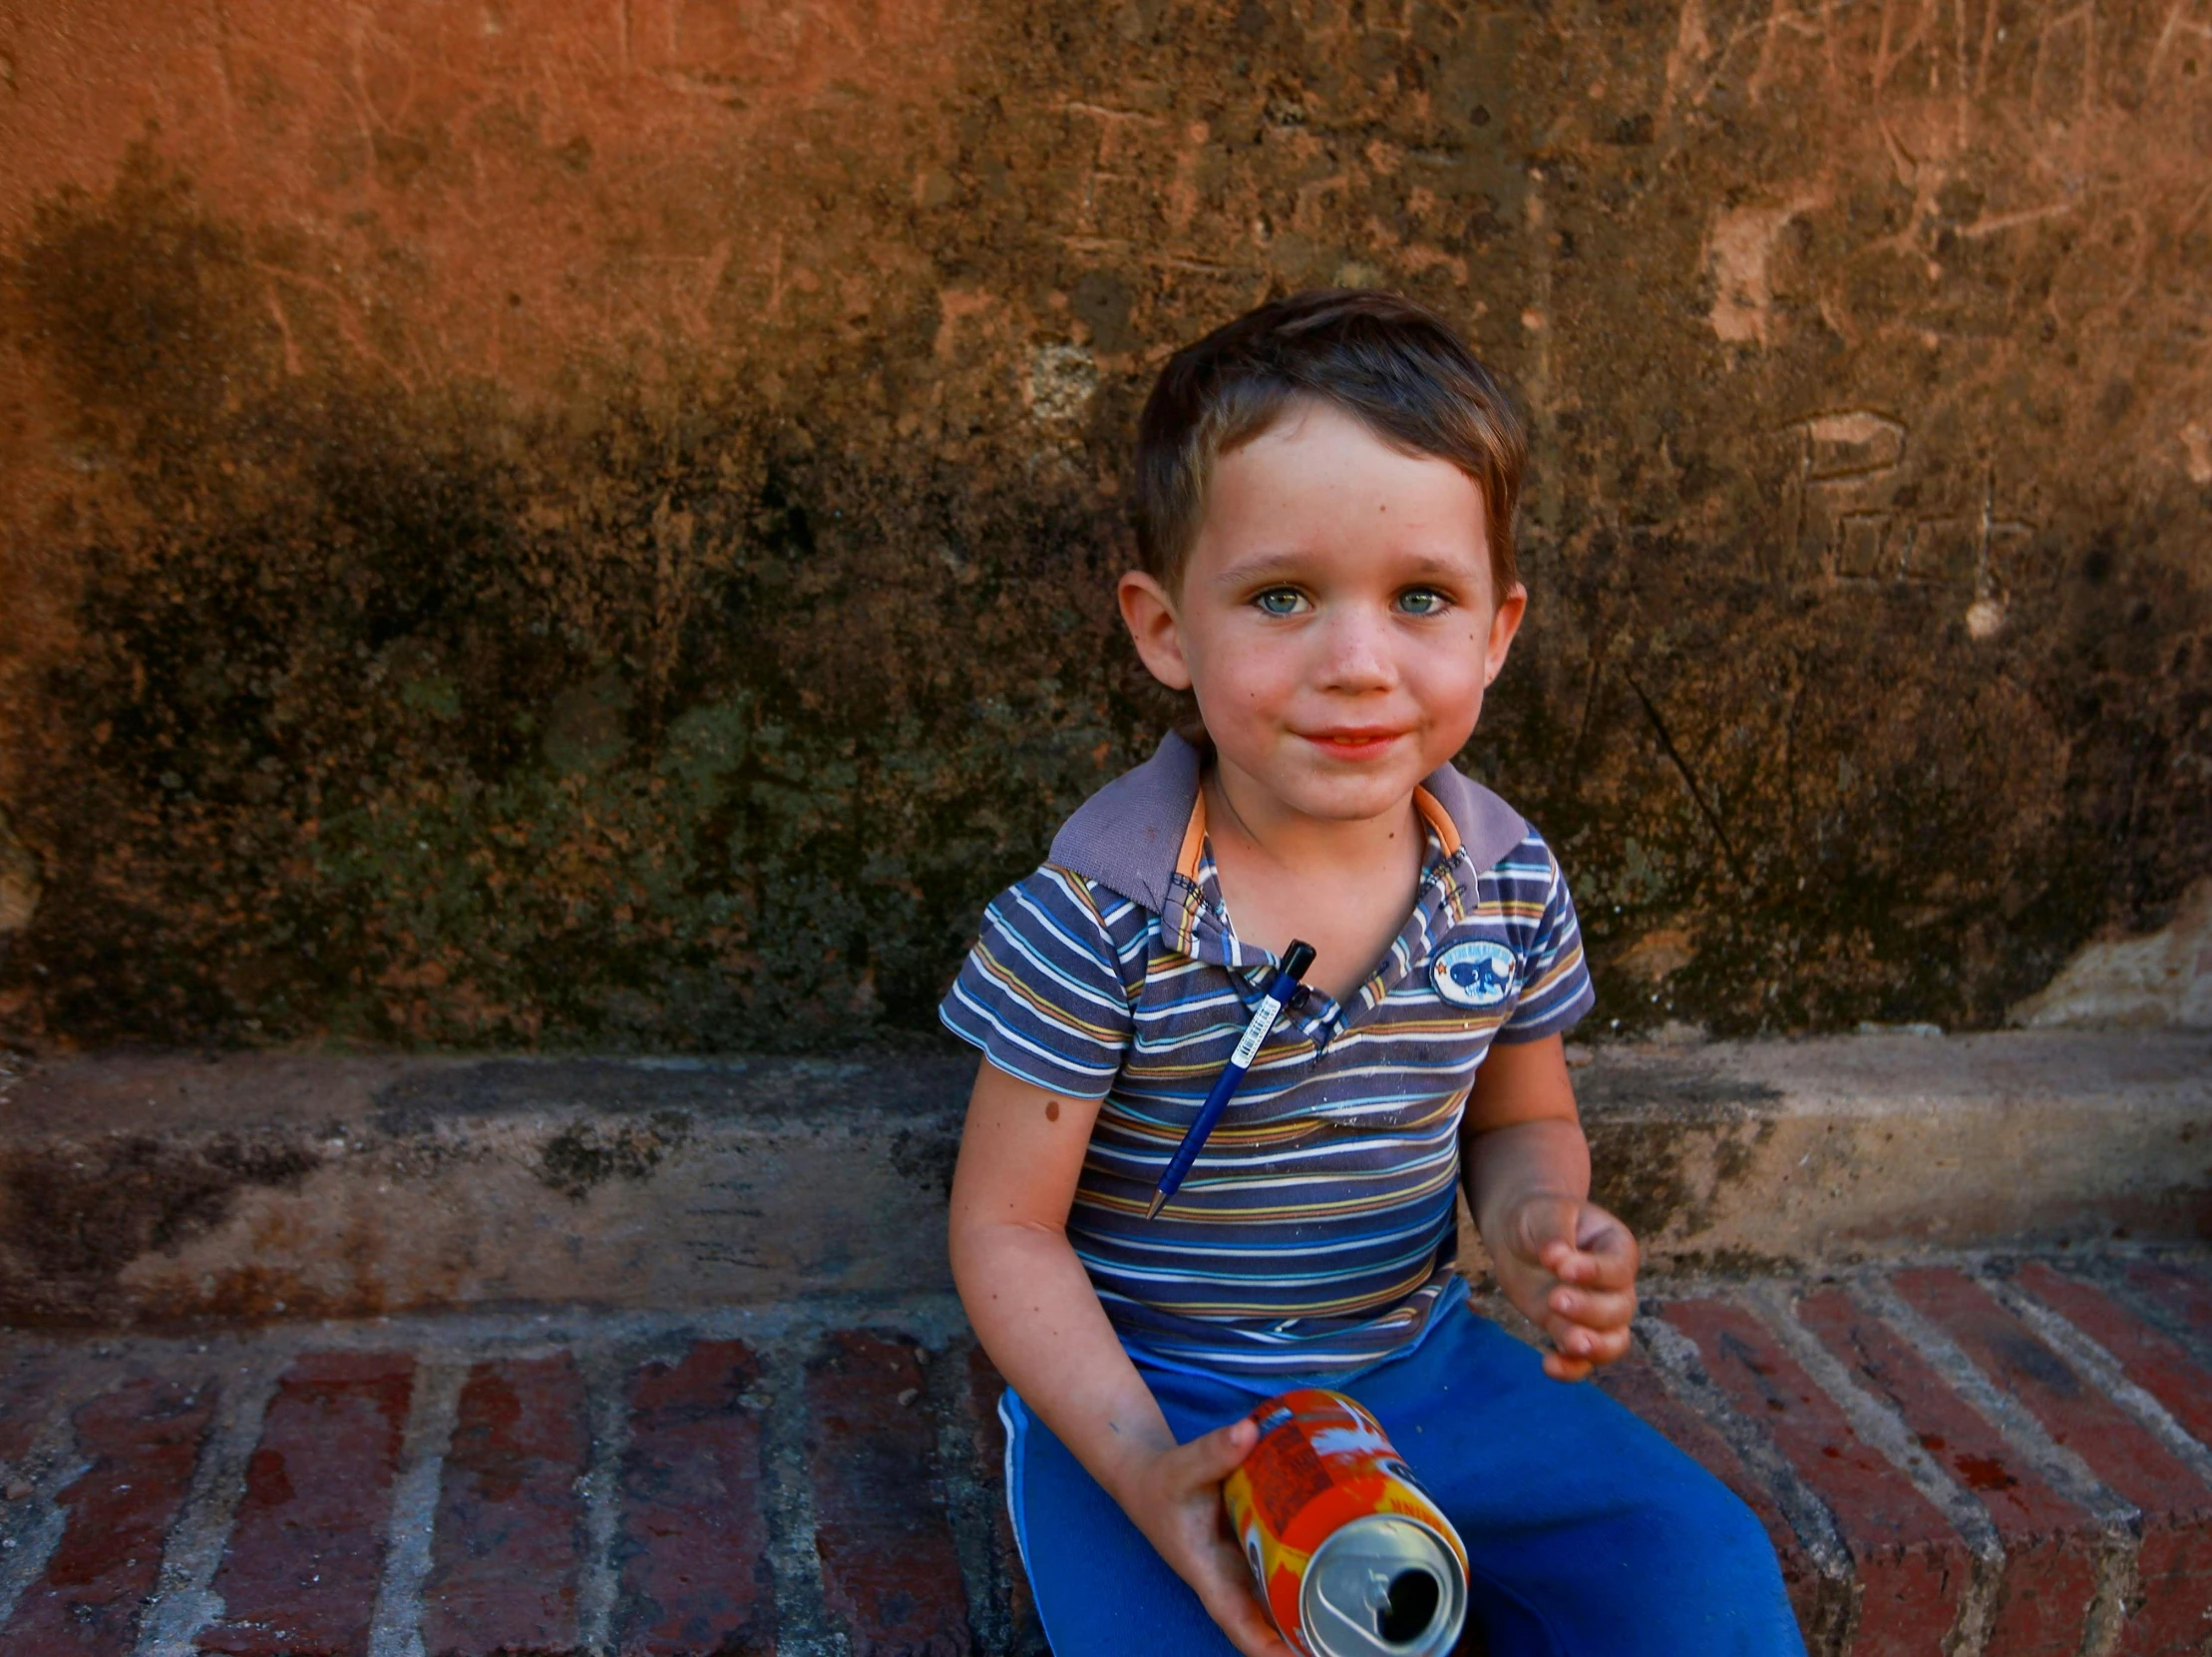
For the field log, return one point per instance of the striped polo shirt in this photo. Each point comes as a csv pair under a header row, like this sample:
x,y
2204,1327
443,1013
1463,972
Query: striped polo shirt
x,y
1315,1232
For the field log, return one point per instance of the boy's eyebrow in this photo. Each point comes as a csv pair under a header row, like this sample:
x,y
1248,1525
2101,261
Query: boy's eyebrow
x,y
1285,562
1260,567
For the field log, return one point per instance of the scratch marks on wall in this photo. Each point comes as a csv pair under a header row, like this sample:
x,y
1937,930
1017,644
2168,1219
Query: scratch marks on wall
x,y
1854,510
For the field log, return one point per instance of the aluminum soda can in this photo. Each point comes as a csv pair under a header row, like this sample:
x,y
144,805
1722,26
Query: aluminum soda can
x,y
1352,1557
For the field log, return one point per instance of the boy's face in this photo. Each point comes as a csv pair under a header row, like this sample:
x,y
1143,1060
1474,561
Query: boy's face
x,y
1335,618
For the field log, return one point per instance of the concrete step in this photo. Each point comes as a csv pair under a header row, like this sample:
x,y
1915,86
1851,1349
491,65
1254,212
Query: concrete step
x,y
137,1188
1965,1454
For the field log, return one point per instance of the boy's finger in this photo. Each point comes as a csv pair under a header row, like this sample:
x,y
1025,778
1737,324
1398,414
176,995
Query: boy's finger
x,y
1576,1339
1259,1636
1233,1604
1251,1632
1568,1264
1597,1346
1544,1229
1211,1457
1576,1352
1608,1269
1592,1308
1611,1250
1569,1339
1565,1368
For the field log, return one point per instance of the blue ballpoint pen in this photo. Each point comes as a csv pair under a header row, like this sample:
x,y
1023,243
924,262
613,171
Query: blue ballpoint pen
x,y
1280,994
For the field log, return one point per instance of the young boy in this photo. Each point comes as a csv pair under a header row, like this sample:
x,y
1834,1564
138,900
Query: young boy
x,y
1325,492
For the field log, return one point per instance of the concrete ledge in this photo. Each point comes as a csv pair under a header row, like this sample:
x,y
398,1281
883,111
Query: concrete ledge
x,y
1864,1146
155,1188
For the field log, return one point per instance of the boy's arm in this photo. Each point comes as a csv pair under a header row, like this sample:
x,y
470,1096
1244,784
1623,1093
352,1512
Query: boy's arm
x,y
1565,1262
1034,1310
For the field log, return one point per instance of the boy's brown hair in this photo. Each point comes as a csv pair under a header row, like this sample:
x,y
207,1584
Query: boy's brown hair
x,y
1393,365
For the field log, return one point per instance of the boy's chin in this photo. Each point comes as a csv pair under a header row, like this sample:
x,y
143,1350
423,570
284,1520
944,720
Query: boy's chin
x,y
1338,792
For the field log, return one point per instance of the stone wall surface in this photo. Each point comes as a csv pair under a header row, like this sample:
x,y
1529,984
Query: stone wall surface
x,y
592,524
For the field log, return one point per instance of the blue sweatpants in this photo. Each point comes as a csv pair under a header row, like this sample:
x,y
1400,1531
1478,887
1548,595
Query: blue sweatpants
x,y
1590,1534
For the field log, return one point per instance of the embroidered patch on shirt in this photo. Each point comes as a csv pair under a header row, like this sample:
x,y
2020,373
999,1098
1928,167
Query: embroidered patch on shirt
x,y
1474,973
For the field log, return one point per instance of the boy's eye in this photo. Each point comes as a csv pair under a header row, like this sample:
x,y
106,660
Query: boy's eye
x,y
1422,601
1279,601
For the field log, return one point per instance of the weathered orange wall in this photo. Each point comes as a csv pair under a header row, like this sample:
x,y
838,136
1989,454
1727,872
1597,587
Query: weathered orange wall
x,y
593,523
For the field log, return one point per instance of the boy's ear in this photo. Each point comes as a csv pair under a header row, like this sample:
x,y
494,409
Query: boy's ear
x,y
1505,621
1150,616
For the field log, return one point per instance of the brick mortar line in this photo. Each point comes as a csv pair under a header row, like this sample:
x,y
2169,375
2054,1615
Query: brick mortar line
x,y
32,1525
969,1507
396,1623
184,1599
2118,1519
2088,1354
932,1318
2061,1468
29,1544
606,1375
1881,1427
1681,1366
803,1627
472,1335
1681,1371
469,1337
2145,1306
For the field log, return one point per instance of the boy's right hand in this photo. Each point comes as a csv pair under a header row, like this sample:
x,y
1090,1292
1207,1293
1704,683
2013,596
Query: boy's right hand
x,y
1174,1499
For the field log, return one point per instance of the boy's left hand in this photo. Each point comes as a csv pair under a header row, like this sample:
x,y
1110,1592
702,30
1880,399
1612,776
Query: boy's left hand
x,y
1570,1267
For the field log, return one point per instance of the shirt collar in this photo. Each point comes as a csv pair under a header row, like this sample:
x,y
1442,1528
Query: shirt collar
x,y
1133,835
1196,922
1192,921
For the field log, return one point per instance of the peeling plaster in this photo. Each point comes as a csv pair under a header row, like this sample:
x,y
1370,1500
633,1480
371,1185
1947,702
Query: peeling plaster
x,y
2160,979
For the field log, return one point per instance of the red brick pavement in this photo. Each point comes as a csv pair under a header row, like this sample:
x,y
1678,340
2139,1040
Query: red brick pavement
x,y
364,1519
508,1537
2174,1566
2186,1293
889,1566
1635,1383
695,1572
2051,1545
143,1440
1911,1564
300,1576
2158,1363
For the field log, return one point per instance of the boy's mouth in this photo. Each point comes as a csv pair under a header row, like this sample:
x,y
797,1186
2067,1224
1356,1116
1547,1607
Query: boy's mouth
x,y
1353,741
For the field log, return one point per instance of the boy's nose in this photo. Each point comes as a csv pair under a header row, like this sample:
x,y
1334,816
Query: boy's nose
x,y
1356,652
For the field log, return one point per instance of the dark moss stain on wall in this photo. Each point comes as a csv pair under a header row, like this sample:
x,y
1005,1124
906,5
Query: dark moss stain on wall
x,y
587,1154
703,709
88,1209
406,720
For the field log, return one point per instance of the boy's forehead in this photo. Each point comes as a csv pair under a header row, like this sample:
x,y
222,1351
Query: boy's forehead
x,y
1321,480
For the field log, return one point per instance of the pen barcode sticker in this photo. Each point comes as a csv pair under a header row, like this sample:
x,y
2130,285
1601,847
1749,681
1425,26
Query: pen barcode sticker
x,y
1256,1033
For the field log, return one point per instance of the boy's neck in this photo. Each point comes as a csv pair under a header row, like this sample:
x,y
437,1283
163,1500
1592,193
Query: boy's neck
x,y
1345,885
1254,822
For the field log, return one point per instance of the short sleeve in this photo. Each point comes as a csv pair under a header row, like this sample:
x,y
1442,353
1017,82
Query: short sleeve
x,y
1554,982
1041,992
